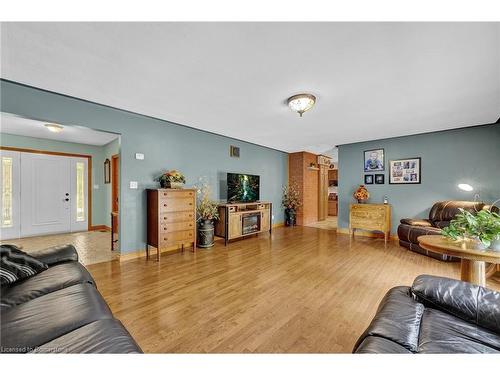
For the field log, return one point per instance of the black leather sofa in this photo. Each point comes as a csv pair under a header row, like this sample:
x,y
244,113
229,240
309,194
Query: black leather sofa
x,y
435,315
60,311
440,216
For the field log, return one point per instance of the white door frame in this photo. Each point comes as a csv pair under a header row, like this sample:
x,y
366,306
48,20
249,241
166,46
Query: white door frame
x,y
89,177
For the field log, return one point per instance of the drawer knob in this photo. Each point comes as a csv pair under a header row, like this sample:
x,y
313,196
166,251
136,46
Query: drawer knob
x,y
190,203
165,205
165,218
165,238
165,228
165,194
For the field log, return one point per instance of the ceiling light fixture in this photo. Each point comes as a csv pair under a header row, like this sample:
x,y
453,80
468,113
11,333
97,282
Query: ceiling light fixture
x,y
301,103
54,128
465,187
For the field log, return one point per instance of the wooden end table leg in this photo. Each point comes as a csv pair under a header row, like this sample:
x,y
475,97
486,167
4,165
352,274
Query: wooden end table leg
x,y
473,271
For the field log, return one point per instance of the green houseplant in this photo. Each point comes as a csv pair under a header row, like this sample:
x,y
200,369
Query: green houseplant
x,y
207,211
482,228
291,202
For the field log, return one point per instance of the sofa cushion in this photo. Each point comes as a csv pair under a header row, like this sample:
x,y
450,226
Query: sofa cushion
x,y
397,319
447,210
16,265
444,333
56,277
43,319
102,336
374,345
56,254
475,304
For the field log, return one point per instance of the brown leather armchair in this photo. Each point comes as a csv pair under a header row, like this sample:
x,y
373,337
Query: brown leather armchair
x,y
440,216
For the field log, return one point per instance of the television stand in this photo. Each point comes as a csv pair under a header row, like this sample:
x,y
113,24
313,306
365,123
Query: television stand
x,y
238,220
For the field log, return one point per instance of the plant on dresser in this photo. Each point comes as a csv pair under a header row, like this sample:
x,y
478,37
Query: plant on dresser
x,y
171,180
207,211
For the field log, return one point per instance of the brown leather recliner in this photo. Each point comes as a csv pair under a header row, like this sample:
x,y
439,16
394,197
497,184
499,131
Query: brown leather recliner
x,y
440,216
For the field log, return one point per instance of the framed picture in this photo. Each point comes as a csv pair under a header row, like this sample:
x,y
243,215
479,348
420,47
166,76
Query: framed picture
x,y
380,179
368,179
374,160
107,171
405,171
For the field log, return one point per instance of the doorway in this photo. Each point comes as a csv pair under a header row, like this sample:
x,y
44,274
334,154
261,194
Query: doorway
x,y
43,193
115,203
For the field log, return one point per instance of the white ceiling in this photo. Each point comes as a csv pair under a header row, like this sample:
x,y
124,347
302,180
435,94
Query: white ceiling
x,y
372,80
10,124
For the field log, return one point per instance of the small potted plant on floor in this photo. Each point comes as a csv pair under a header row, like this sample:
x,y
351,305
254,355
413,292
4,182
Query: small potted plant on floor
x,y
172,180
207,211
480,230
291,202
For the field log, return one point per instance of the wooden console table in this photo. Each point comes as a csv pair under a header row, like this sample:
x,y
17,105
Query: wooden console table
x,y
370,216
237,220
472,261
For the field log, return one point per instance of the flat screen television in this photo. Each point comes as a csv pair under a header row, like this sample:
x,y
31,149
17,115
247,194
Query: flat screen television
x,y
242,187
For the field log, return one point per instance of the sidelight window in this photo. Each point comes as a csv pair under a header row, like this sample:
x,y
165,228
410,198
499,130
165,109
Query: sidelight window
x,y
80,195
7,192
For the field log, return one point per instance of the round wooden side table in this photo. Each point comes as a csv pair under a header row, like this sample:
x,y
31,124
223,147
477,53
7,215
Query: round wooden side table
x,y
473,262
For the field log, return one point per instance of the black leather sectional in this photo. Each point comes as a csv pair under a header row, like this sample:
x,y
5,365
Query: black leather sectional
x,y
60,311
435,315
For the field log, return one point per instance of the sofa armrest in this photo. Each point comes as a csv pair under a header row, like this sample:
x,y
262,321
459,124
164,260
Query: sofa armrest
x,y
417,222
56,254
470,302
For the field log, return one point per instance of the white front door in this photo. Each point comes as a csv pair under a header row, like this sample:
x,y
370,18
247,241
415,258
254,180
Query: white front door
x,y
54,194
10,225
45,194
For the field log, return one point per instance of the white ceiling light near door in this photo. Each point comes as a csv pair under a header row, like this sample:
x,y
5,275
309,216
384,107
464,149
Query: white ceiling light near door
x,y
301,103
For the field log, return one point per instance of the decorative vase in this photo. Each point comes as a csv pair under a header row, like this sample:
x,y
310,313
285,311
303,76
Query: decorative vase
x,y
205,237
475,243
290,217
165,184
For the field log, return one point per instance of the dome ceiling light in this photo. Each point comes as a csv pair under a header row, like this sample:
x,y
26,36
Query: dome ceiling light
x,y
301,103
55,128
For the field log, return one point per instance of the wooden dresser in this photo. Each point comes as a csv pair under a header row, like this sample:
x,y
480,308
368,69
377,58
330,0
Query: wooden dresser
x,y
368,216
171,219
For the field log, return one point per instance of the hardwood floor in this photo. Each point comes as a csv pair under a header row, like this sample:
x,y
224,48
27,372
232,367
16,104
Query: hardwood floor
x,y
306,291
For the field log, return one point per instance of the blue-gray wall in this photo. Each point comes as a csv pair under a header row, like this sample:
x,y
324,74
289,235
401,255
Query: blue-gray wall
x,y
165,146
469,155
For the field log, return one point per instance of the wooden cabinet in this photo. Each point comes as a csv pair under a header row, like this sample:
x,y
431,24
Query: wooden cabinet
x,y
332,208
238,220
171,218
375,217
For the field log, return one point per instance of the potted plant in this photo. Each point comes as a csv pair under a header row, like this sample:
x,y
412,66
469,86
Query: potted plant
x,y
172,180
481,230
291,202
207,211
361,194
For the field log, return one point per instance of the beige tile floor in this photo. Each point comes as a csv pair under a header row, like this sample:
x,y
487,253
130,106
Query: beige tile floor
x,y
93,247
329,224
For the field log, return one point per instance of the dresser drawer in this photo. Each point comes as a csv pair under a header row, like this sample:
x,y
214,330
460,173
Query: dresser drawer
x,y
175,194
176,204
368,215
175,217
177,226
174,237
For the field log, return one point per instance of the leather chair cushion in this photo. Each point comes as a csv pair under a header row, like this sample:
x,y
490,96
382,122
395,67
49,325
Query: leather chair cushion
x,y
475,304
411,233
446,210
56,254
43,319
102,336
55,278
417,222
375,345
444,333
397,319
